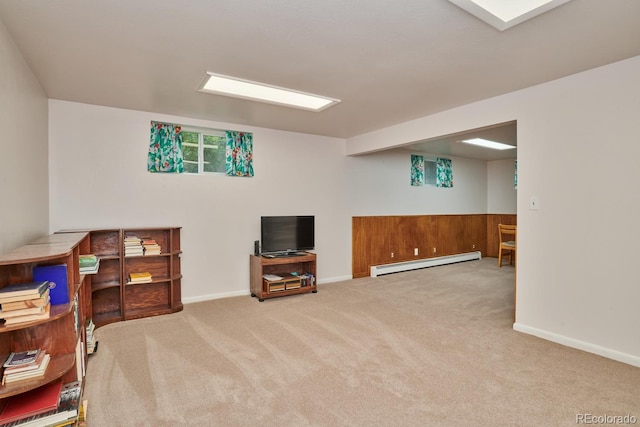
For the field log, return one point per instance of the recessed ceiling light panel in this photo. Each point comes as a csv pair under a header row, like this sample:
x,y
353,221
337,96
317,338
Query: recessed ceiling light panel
x,y
488,144
254,91
503,14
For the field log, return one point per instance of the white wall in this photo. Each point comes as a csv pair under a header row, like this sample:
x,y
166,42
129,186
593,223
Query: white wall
x,y
501,193
578,152
24,195
99,179
380,184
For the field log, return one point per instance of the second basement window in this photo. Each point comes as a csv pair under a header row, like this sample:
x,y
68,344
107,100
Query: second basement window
x,y
203,150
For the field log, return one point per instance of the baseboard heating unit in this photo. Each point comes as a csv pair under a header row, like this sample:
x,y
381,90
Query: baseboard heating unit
x,y
379,270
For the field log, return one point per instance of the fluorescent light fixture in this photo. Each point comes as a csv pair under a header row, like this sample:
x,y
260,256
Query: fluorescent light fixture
x,y
503,14
245,89
488,144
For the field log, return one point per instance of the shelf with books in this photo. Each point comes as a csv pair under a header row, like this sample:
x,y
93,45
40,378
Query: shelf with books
x,y
161,260
112,300
277,277
58,366
55,312
59,334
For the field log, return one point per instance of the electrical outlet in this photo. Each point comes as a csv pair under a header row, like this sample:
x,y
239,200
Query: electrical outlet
x,y
473,246
415,251
434,250
391,254
534,205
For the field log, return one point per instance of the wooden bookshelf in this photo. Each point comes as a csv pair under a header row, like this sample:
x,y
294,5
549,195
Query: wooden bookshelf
x,y
163,294
58,335
113,298
106,294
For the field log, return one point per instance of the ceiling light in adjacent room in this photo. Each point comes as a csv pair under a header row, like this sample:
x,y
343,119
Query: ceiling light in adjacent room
x,y
488,144
245,89
503,14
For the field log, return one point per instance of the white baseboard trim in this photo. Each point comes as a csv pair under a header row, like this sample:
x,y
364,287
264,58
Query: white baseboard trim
x,y
335,279
629,359
378,270
200,298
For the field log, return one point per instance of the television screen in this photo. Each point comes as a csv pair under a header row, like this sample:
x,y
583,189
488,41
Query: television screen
x,y
287,233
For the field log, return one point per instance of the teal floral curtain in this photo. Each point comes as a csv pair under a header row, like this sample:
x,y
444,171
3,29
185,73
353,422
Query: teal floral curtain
x,y
444,173
417,170
515,176
165,148
239,153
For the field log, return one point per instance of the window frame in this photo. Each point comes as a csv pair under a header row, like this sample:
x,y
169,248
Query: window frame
x,y
202,131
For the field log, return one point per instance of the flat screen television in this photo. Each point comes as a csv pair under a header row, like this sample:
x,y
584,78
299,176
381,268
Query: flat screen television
x,y
287,234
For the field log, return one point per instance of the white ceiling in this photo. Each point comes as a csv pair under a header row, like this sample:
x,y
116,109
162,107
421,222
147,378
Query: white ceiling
x,y
387,61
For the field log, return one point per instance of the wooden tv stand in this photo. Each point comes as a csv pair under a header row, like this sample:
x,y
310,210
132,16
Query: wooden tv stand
x,y
298,275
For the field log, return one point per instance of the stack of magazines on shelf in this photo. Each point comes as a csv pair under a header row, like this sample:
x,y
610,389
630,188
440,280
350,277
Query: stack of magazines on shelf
x,y
133,246
53,404
89,264
25,365
25,302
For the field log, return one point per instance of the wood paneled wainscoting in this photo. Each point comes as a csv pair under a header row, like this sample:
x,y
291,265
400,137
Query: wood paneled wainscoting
x,y
380,240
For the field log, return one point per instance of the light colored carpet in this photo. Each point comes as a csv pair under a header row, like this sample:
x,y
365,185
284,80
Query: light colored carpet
x,y
427,347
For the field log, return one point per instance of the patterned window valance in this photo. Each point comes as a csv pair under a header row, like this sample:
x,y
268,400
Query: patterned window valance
x,y
165,148
417,170
239,153
444,173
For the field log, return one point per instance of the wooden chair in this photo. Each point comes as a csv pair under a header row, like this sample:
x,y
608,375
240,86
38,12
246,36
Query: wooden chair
x,y
507,234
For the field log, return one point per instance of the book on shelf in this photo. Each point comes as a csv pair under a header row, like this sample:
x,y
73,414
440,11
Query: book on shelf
x,y
34,364
29,317
274,287
271,277
5,314
22,291
80,360
57,276
132,239
69,408
137,251
21,358
151,247
133,246
89,264
90,270
88,260
26,303
70,398
31,403
82,413
8,376
144,277
307,279
91,338
65,412
293,284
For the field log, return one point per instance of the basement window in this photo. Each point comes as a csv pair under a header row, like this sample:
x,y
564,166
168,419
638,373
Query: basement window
x,y
430,173
203,150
